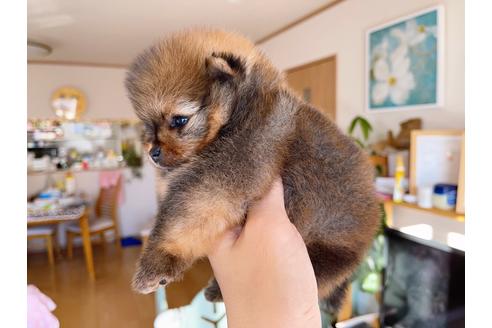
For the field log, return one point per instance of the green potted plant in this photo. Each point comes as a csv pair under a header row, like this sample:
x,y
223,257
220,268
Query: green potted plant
x,y
365,129
360,131
132,159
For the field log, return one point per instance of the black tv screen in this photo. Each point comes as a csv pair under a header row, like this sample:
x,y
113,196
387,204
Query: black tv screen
x,y
424,284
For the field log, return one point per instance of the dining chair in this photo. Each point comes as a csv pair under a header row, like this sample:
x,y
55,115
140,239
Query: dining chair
x,y
106,217
200,313
49,235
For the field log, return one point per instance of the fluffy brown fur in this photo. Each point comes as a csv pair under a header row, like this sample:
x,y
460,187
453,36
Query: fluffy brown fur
x,y
244,127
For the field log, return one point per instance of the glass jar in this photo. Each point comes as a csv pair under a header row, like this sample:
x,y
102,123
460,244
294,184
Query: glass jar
x,y
444,196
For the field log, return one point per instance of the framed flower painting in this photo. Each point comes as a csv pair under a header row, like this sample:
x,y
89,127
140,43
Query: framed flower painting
x,y
404,63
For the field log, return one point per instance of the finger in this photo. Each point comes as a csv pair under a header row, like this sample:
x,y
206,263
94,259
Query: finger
x,y
50,321
271,205
33,290
276,193
47,301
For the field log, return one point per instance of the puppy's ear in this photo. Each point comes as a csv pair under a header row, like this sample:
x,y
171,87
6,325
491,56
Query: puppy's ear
x,y
224,66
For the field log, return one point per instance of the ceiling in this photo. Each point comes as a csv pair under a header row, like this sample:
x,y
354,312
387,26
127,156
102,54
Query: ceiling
x,y
109,32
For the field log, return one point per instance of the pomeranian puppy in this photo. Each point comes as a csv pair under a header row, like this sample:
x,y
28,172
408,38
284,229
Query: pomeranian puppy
x,y
221,124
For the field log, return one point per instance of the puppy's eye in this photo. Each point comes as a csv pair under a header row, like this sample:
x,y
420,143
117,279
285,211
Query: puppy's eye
x,y
179,121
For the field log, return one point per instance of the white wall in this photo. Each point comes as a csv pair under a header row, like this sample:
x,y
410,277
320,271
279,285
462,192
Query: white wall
x,y
341,31
103,87
106,98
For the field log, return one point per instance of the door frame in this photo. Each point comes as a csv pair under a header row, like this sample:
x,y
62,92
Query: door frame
x,y
316,62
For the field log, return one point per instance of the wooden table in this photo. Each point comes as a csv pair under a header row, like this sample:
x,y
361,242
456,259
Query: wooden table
x,y
79,213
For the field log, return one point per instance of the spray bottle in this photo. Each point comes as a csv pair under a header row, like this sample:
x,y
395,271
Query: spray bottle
x,y
398,191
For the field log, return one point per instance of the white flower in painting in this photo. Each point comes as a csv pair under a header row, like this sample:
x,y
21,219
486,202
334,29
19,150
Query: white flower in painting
x,y
381,50
413,34
394,81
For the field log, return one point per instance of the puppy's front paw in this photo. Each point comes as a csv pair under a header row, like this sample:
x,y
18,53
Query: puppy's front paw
x,y
212,292
154,270
146,282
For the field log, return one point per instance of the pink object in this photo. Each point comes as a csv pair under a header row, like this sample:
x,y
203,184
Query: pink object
x,y
108,179
384,196
39,308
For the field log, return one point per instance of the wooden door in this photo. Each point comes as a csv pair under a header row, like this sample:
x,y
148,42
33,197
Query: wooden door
x,y
316,83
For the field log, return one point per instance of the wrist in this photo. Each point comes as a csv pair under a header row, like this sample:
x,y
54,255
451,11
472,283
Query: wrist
x,y
242,315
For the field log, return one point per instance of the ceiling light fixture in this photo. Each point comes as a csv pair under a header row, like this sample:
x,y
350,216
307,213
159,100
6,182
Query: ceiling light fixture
x,y
36,50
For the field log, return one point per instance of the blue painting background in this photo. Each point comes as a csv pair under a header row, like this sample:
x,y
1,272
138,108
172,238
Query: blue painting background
x,y
423,63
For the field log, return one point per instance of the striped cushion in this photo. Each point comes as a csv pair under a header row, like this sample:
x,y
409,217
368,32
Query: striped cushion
x,y
40,231
95,225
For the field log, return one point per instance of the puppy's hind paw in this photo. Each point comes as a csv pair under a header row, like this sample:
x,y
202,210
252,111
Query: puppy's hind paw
x,y
212,292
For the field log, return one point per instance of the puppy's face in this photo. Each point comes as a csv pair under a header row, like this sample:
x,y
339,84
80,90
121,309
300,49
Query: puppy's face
x,y
182,91
179,130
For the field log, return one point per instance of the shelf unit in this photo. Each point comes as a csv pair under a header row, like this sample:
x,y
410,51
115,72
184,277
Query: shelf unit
x,y
460,179
456,215
389,204
76,170
90,140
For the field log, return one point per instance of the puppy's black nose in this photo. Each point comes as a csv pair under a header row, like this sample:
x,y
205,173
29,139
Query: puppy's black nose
x,y
155,153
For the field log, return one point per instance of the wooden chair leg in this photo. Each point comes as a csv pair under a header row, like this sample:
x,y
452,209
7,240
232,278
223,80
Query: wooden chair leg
x,y
117,240
69,245
103,239
49,246
56,244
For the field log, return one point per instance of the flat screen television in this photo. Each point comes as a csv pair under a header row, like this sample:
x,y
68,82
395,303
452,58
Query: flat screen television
x,y
424,284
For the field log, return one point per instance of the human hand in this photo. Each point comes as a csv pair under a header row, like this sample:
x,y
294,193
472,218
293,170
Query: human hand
x,y
39,308
264,270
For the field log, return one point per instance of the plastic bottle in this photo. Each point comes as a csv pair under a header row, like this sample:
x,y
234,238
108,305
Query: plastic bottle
x,y
398,191
70,183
